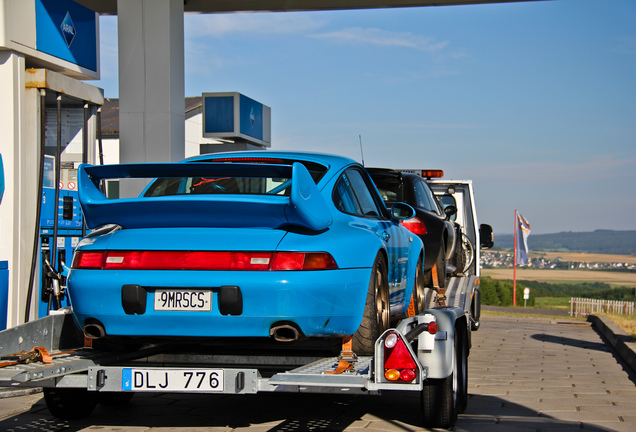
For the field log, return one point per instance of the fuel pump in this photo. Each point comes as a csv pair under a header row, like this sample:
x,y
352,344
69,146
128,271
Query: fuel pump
x,y
60,221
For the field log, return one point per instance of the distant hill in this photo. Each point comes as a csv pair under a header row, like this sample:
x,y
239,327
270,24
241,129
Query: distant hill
x,y
599,241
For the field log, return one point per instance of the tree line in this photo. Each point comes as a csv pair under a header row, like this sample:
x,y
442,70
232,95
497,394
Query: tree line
x,y
499,292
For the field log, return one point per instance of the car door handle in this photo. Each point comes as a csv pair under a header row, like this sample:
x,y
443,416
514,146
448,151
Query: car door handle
x,y
386,236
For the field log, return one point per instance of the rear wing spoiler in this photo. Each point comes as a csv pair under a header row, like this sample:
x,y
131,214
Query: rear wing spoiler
x,y
304,207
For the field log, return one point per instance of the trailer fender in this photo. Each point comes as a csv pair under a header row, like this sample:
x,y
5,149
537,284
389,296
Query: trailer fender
x,y
439,360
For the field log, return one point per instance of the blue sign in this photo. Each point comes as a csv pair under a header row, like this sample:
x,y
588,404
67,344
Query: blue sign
x,y
67,30
219,114
231,115
251,117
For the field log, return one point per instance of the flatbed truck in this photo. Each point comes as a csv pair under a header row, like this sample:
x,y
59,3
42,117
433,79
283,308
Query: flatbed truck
x,y
434,346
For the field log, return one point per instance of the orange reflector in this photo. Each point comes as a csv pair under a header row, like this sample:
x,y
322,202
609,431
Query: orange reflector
x,y
392,374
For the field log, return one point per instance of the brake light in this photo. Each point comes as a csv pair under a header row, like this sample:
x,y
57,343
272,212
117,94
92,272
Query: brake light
x,y
415,225
250,160
399,365
202,260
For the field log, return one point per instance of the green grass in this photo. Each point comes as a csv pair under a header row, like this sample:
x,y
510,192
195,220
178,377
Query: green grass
x,y
552,302
527,315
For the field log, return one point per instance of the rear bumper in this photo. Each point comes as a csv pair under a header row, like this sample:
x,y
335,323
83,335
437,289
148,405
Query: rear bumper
x,y
321,303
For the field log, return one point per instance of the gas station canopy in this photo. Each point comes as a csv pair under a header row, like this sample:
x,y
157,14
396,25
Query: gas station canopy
x,y
109,7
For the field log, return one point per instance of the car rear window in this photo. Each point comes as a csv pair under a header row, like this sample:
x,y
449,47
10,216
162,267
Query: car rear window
x,y
233,185
390,188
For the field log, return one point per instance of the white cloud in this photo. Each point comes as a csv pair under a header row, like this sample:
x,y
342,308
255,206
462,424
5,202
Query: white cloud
x,y
379,37
219,25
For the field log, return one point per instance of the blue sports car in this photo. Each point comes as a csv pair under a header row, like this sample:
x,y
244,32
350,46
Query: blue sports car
x,y
287,245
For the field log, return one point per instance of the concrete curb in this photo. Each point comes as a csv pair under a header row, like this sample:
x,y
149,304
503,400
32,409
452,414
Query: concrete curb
x,y
617,338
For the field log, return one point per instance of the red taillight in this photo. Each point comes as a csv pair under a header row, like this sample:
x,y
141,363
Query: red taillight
x,y
303,261
89,260
415,225
399,365
202,260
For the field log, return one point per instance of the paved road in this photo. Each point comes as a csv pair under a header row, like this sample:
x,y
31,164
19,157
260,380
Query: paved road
x,y
526,374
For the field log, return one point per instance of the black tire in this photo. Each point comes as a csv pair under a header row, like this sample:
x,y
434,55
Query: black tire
x,y
420,301
114,398
440,263
441,266
430,400
462,372
441,398
460,258
70,403
376,310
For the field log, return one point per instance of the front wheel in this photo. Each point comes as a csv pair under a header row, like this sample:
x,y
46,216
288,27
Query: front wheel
x,y
375,319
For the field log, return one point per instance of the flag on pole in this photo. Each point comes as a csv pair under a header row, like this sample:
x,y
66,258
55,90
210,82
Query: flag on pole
x,y
521,246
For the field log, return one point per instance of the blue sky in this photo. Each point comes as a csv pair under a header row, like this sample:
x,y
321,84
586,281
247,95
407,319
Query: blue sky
x,y
535,102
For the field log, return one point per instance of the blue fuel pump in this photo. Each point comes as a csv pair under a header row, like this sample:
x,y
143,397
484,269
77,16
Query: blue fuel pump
x,y
69,232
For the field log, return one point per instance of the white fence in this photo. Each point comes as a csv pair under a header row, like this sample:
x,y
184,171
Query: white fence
x,y
582,307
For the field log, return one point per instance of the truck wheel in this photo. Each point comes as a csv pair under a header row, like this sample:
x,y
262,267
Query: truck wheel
x,y
376,310
462,372
70,403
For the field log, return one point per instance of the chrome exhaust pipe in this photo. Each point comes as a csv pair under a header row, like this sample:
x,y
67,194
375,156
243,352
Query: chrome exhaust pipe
x,y
94,331
285,333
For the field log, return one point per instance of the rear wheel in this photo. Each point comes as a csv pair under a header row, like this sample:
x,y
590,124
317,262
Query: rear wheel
x,y
376,310
419,290
462,372
441,266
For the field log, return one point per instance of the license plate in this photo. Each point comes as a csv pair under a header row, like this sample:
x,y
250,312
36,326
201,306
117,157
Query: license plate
x,y
183,300
172,380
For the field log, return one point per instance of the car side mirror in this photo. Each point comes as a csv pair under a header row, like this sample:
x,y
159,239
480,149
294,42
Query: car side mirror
x,y
402,211
486,236
450,211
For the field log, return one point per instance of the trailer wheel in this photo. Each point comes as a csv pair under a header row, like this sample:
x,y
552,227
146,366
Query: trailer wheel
x,y
376,310
70,403
441,398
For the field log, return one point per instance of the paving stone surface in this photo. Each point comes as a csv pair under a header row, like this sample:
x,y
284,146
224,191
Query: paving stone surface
x,y
525,374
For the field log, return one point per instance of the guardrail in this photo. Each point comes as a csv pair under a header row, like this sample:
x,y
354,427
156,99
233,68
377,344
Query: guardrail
x,y
582,307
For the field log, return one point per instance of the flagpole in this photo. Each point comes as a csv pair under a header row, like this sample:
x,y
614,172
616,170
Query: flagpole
x,y
514,263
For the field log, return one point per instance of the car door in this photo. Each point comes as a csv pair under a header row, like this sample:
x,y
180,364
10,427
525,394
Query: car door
x,y
358,197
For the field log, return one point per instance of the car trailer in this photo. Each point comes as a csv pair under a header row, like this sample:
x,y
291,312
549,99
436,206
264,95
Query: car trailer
x,y
426,353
